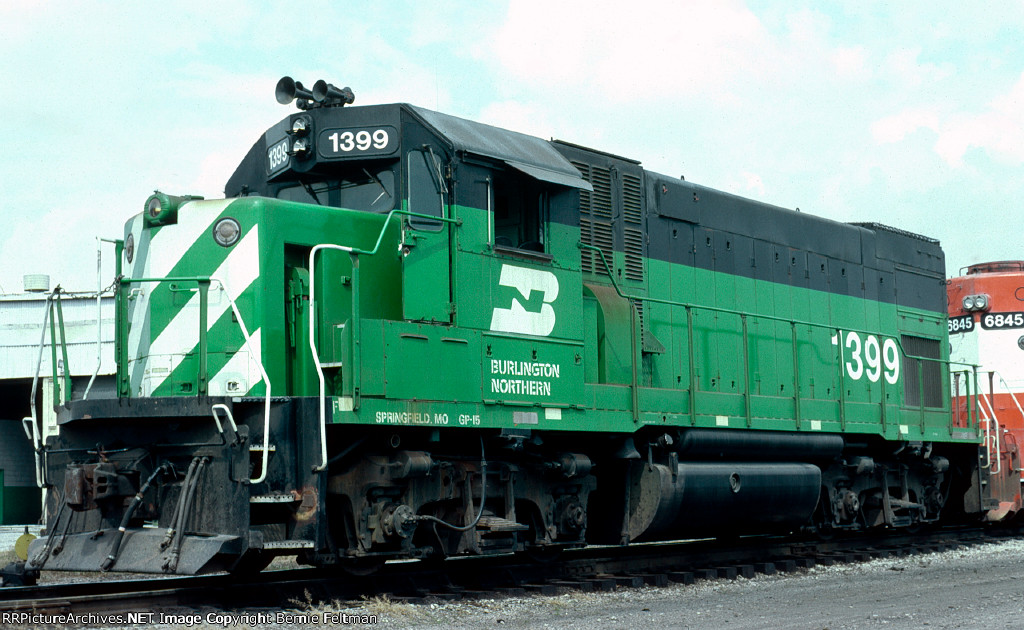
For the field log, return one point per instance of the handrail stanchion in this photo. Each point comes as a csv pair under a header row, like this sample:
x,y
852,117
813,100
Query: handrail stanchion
x,y
99,312
53,352
204,303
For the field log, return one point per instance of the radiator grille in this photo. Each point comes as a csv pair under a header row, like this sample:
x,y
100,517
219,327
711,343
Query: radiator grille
x,y
914,370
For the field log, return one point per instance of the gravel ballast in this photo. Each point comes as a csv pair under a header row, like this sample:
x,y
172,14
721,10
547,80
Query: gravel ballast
x,y
980,586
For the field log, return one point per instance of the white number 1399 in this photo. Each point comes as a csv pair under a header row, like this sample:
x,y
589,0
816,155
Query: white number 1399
x,y
868,358
358,141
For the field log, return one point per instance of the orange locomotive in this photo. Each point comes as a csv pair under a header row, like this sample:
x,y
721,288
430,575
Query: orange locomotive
x,y
986,329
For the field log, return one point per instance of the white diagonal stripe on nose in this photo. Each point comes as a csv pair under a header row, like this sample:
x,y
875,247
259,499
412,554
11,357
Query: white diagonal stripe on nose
x,y
239,270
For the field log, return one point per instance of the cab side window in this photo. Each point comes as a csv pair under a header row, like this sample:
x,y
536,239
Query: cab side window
x,y
426,190
520,212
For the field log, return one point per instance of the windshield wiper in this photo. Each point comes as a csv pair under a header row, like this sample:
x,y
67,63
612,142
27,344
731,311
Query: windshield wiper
x,y
310,192
383,189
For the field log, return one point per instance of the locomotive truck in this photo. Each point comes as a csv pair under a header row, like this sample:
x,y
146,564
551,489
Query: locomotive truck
x,y
404,334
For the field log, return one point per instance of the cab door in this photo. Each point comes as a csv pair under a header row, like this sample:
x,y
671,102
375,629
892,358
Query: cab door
x,y
426,247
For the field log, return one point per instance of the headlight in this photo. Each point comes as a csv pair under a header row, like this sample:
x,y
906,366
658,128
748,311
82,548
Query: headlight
x,y
979,302
162,209
154,207
226,232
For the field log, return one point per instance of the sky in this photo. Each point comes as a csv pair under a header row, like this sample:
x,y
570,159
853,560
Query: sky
x,y
904,113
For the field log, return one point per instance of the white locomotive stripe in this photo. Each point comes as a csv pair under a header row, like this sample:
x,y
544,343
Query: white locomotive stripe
x,y
157,256
1000,352
137,307
242,369
964,348
237,272
171,243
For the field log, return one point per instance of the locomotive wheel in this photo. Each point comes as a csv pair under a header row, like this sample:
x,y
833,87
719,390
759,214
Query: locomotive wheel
x,y
367,565
252,562
542,555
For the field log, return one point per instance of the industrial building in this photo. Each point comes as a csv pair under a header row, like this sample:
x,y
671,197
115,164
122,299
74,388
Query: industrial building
x,y
28,323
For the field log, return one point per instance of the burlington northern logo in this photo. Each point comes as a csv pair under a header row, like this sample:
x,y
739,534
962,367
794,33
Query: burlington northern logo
x,y
517,319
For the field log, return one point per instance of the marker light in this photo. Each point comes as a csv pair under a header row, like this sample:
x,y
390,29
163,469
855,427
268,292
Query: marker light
x,y
129,247
300,147
300,126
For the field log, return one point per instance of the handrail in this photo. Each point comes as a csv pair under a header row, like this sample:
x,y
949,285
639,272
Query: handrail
x,y
972,409
384,228
35,434
354,253
59,391
1016,403
39,357
231,420
51,320
744,315
312,335
99,318
205,281
992,420
718,309
99,311
1013,396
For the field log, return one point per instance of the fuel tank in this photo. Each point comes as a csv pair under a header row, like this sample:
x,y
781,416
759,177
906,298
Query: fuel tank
x,y
711,498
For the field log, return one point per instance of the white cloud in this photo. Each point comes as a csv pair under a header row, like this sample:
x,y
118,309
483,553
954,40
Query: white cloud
x,y
897,127
852,63
852,112
905,70
998,130
668,48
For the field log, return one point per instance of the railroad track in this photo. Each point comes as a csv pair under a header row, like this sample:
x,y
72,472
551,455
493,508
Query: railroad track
x,y
591,569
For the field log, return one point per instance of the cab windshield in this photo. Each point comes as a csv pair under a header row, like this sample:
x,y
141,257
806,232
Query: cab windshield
x,y
357,188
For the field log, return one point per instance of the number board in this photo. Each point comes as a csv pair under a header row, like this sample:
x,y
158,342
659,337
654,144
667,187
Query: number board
x,y
277,156
357,142
996,321
961,323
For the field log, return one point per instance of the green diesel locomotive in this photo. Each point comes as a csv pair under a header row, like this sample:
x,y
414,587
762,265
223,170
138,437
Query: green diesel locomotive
x,y
404,334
